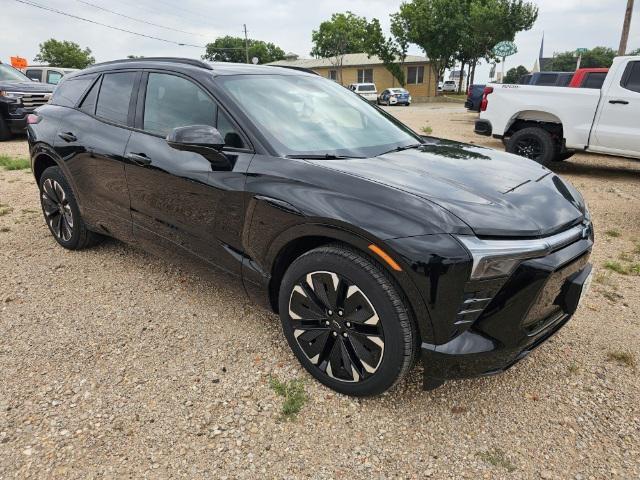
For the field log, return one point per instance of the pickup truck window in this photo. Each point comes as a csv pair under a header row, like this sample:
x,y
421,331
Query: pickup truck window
x,y
593,80
631,78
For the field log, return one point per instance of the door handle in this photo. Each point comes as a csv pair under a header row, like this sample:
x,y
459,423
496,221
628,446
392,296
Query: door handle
x,y
619,102
139,159
68,137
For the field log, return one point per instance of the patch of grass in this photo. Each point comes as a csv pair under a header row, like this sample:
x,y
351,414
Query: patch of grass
x,y
604,278
497,458
613,233
294,396
14,163
573,368
623,358
616,267
636,249
625,257
427,130
5,210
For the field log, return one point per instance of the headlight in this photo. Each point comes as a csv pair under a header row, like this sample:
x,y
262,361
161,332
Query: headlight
x,y
11,95
499,258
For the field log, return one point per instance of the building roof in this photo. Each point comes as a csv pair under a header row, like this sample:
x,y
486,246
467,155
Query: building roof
x,y
350,60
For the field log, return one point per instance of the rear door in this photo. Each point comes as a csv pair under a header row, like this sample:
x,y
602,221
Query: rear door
x,y
179,202
617,128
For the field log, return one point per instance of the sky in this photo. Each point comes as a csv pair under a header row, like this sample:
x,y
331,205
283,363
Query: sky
x,y
566,24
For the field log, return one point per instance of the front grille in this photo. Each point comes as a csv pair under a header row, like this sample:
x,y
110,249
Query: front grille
x,y
477,296
548,306
33,100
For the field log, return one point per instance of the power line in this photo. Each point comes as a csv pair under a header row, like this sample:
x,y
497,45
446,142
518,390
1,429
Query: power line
x,y
42,7
138,20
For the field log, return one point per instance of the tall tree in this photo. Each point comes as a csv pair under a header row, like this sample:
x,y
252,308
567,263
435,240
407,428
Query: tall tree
x,y
64,54
391,50
344,33
232,49
513,74
596,57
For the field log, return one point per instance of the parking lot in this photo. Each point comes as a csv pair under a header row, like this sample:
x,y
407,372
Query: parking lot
x,y
114,363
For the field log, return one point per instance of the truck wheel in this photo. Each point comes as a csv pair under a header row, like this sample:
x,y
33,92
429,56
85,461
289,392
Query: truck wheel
x,y
534,143
5,133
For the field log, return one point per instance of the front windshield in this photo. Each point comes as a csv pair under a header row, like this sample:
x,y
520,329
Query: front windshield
x,y
10,74
301,114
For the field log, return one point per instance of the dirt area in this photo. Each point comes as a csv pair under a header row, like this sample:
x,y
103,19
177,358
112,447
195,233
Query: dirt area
x,y
114,363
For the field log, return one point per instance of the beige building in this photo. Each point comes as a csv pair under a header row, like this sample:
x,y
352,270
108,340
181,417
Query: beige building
x,y
359,68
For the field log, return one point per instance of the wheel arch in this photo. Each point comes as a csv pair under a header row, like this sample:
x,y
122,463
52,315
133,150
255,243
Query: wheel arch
x,y
535,118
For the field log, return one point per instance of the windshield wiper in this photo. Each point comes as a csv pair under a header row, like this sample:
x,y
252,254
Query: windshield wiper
x,y
324,156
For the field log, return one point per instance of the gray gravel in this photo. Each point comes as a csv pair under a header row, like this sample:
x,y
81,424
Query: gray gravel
x,y
114,363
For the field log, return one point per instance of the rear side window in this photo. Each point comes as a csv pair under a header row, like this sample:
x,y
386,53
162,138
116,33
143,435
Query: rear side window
x,y
631,77
115,95
54,77
173,101
594,80
547,79
70,91
88,105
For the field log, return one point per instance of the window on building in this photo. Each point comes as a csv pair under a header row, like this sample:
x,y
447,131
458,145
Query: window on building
x,y
333,75
415,74
365,75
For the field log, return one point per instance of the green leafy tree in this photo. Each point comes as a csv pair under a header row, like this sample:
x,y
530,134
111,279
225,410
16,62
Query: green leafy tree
x,y
596,57
513,74
344,33
634,52
392,51
232,49
64,54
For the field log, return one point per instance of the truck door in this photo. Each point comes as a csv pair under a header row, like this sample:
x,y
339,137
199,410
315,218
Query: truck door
x,y
617,129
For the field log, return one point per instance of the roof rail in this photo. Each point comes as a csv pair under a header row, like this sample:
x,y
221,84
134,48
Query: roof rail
x,y
293,67
187,61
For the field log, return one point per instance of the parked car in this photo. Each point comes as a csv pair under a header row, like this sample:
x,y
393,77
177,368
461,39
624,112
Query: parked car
x,y
19,96
588,78
474,97
365,90
47,74
547,124
376,246
440,86
449,86
547,79
395,96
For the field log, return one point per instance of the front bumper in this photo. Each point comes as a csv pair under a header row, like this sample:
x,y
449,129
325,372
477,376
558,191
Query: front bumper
x,y
483,127
15,115
528,308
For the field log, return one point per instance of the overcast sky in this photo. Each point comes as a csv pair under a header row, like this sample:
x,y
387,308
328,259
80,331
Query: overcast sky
x,y
567,24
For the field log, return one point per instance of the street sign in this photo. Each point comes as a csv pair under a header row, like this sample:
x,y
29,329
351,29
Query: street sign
x,y
580,51
505,49
19,62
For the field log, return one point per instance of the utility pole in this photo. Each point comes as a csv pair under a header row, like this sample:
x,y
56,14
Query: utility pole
x,y
625,28
246,41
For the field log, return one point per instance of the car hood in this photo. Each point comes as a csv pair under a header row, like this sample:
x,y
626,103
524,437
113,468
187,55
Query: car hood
x,y
496,194
35,87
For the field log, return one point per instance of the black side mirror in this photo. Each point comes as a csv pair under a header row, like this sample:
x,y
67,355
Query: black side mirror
x,y
202,139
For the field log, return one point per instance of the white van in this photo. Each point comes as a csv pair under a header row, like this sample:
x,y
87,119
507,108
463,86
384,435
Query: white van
x,y
366,90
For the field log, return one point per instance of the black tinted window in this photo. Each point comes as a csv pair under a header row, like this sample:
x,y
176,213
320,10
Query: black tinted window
x,y
114,97
228,132
547,79
594,80
35,75
88,105
173,101
69,92
631,77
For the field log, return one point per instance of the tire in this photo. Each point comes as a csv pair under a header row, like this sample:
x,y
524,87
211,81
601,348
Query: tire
x,y
5,133
533,143
361,345
61,213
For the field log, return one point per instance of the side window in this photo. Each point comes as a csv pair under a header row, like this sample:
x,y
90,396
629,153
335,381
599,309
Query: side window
x,y
231,137
54,77
547,79
88,105
115,95
594,80
34,74
173,101
631,77
69,92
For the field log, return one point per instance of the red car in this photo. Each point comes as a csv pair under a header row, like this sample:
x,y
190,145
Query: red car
x,y
588,78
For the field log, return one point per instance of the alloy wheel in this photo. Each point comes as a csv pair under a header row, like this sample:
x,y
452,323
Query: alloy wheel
x,y
336,326
529,147
57,210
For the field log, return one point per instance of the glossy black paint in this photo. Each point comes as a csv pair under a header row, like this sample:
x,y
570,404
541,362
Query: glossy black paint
x,y
252,214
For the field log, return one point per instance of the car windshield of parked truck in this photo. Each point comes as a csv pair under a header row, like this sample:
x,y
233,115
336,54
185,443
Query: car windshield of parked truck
x,y
309,115
10,74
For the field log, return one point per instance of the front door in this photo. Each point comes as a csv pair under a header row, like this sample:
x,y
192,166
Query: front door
x,y
179,202
618,124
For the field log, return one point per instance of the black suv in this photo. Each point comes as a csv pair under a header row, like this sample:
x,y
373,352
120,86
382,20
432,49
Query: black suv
x,y
19,96
375,245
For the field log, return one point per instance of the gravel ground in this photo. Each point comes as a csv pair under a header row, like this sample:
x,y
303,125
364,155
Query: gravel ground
x,y
114,363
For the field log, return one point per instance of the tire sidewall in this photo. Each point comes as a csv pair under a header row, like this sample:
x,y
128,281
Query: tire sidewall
x,y
54,173
549,149
394,348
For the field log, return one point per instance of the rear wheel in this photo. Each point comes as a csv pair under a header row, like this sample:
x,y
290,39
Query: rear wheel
x,y
533,143
346,321
61,212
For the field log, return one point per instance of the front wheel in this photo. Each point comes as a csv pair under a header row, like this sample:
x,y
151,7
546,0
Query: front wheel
x,y
345,320
533,143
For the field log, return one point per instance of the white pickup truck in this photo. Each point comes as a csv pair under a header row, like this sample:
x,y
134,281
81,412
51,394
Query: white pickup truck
x,y
551,123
